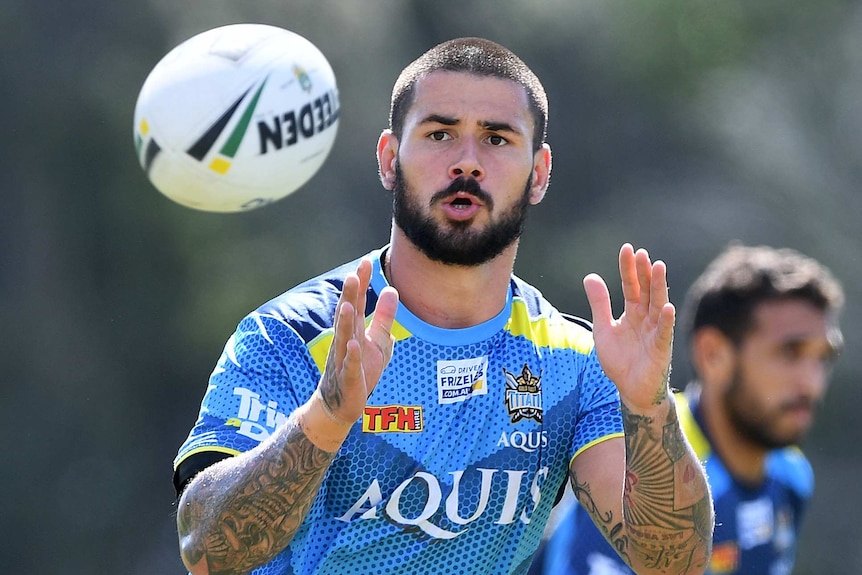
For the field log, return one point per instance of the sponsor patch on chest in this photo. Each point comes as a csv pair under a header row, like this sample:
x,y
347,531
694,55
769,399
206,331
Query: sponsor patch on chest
x,y
754,522
461,379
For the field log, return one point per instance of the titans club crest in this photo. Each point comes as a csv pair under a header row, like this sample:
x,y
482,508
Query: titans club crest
x,y
524,395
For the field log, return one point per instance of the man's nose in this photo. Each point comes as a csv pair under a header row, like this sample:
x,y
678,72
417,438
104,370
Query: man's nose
x,y
466,161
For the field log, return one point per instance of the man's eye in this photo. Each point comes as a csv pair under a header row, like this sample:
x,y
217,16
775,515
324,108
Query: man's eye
x,y
791,352
439,136
495,140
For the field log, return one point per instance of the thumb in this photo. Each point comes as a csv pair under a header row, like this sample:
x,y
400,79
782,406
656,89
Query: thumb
x,y
599,298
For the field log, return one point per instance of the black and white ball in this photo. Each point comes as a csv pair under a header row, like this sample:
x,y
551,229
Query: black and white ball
x,y
236,117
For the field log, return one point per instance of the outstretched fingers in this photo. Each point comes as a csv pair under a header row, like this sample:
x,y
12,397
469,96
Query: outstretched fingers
x,y
344,327
656,300
658,294
599,299
643,268
363,274
644,285
635,349
344,357
662,311
379,331
359,353
629,276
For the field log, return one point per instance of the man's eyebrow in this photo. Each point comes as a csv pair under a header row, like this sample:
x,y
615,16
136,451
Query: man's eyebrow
x,y
499,127
487,124
438,119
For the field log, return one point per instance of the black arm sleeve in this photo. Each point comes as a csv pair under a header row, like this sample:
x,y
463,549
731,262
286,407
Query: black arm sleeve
x,y
193,465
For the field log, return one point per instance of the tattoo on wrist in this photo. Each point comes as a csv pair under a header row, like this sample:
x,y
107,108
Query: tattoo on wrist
x,y
328,410
662,392
672,439
633,424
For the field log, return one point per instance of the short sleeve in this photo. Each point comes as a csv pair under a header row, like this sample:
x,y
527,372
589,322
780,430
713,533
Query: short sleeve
x,y
599,415
264,373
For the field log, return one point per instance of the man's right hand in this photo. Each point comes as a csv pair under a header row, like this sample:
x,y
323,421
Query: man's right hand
x,y
357,357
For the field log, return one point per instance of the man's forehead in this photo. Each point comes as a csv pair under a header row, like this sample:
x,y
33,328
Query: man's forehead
x,y
463,96
789,319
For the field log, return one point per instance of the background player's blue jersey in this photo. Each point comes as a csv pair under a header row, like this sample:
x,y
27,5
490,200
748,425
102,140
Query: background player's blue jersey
x,y
462,448
755,527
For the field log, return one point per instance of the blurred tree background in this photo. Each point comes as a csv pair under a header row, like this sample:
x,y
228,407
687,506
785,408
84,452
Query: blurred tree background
x,y
678,125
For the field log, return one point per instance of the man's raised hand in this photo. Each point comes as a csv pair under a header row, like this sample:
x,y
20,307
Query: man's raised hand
x,y
357,357
635,350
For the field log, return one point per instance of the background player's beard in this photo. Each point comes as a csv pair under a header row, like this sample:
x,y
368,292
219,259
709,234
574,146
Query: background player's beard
x,y
752,421
458,244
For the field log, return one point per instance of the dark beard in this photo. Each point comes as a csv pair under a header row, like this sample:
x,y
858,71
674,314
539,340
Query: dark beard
x,y
754,426
457,245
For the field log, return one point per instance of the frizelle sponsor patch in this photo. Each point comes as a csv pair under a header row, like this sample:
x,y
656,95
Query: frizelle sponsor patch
x,y
460,379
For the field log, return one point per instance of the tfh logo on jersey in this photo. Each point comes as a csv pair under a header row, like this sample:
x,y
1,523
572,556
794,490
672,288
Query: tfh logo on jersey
x,y
524,395
392,418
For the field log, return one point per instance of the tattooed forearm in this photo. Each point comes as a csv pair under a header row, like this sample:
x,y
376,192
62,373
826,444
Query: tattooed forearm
x,y
585,498
666,504
330,392
241,513
661,393
604,520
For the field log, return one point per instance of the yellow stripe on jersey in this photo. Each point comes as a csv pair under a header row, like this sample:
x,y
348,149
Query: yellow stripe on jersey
x,y
595,442
205,449
319,346
559,335
690,428
398,331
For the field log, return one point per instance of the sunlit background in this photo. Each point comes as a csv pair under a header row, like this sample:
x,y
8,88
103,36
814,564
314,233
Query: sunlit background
x,y
678,125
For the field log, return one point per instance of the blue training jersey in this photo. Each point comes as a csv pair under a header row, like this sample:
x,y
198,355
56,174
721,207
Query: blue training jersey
x,y
462,448
755,528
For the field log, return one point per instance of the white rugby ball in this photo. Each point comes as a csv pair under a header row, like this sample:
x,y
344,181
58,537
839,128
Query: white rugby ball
x,y
236,117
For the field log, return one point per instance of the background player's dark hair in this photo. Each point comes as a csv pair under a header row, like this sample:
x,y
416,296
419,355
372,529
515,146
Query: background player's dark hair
x,y
474,56
743,277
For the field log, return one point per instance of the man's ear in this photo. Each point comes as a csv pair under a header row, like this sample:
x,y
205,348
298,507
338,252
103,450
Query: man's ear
x,y
387,157
713,356
541,174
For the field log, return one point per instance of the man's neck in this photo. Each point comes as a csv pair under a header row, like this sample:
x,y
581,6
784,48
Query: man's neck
x,y
444,295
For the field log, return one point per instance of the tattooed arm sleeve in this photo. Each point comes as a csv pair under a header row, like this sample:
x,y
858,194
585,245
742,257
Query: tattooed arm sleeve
x,y
241,512
666,502
656,511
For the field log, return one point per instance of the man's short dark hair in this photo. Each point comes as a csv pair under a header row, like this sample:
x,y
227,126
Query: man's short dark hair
x,y
743,277
473,56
